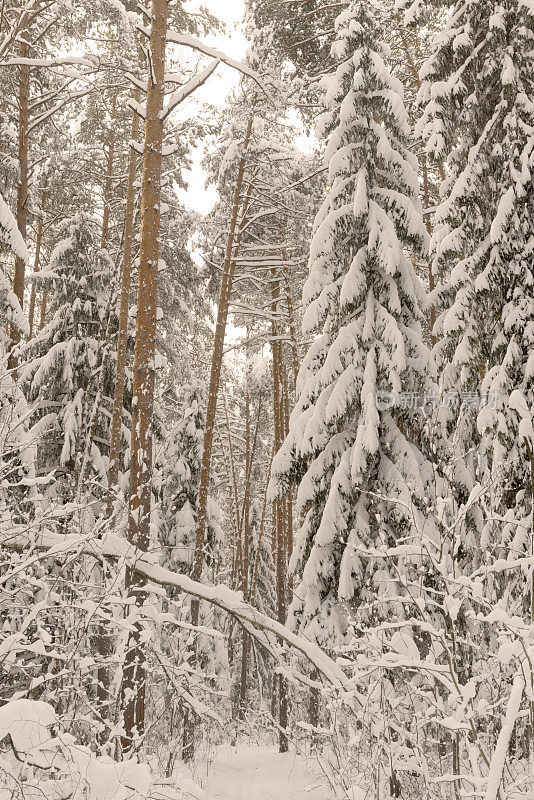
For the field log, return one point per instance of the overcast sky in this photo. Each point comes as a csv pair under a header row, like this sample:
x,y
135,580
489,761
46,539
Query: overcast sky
x,y
215,91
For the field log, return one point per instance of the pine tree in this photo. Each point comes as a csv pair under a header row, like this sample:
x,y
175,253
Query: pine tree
x,y
360,472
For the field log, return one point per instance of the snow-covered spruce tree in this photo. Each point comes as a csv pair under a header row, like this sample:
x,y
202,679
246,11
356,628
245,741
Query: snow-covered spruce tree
x,y
180,476
420,12
17,489
478,89
62,358
477,96
11,242
17,457
345,453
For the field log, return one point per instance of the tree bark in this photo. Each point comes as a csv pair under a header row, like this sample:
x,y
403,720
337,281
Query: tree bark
x,y
236,572
42,320
291,323
289,498
38,242
245,555
133,686
279,505
260,535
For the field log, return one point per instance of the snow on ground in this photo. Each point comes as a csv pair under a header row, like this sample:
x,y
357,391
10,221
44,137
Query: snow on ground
x,y
259,773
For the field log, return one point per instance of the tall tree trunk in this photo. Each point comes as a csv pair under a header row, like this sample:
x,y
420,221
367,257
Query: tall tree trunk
x,y
279,510
122,338
291,323
245,555
104,637
289,498
314,708
42,319
255,568
38,242
132,692
215,374
213,392
22,192
290,309
235,498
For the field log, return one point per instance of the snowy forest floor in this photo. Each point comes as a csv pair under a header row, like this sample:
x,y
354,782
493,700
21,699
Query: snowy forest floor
x,y
260,773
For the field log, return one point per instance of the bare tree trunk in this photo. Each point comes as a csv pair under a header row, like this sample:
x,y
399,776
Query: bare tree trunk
x,y
215,374
280,511
260,535
235,497
213,392
313,708
292,326
132,692
22,192
289,498
42,320
38,242
122,338
234,535
245,555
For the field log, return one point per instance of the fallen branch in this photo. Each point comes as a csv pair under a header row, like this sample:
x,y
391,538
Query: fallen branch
x,y
111,546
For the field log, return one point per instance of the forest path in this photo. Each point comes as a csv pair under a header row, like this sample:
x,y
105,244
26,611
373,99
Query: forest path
x,y
261,773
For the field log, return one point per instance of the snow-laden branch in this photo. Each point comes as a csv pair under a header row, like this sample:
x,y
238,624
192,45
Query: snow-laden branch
x,y
59,105
146,566
191,86
48,62
142,85
260,214
501,750
195,44
10,233
139,108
